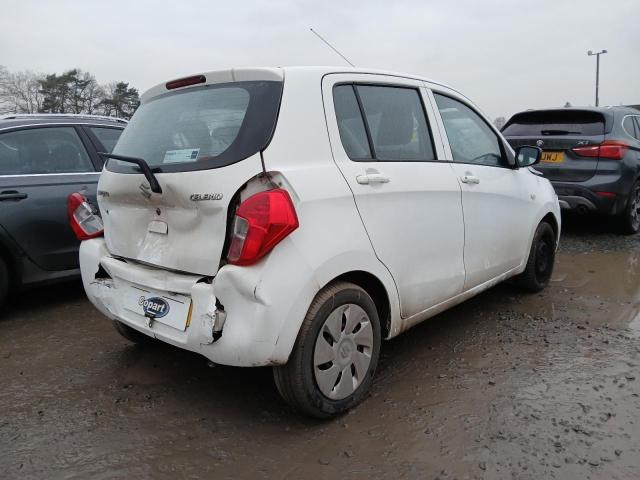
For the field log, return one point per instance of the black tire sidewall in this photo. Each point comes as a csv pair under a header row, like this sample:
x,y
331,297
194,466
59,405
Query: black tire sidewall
x,y
627,226
4,281
132,334
327,407
544,229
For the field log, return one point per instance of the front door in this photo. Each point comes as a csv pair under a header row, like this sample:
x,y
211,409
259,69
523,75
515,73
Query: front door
x,y
495,197
409,200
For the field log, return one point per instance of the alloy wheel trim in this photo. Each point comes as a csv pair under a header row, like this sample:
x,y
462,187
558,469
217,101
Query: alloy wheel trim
x,y
343,351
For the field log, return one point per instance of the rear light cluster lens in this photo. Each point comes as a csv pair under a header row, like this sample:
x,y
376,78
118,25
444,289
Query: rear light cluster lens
x,y
83,221
606,194
611,149
261,222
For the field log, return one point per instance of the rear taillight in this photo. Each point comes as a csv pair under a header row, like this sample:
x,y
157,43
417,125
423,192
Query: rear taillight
x,y
611,149
260,223
606,194
84,222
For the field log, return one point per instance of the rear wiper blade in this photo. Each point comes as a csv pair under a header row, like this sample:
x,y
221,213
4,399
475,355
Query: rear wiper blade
x,y
140,162
558,132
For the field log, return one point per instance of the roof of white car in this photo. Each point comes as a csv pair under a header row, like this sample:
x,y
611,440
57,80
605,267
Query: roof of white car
x,y
279,74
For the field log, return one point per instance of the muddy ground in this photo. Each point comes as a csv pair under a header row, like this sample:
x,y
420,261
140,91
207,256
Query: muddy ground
x,y
507,385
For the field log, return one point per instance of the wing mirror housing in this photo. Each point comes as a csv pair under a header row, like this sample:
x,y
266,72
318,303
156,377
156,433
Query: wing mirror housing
x,y
527,156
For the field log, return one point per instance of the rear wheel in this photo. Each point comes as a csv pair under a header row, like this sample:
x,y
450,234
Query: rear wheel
x,y
537,274
4,281
630,220
132,334
336,353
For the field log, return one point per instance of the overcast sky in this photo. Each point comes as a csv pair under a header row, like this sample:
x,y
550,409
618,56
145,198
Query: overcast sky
x,y
505,55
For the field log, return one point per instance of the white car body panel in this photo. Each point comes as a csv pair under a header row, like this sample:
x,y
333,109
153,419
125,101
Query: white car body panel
x,y
193,233
422,260
498,216
420,199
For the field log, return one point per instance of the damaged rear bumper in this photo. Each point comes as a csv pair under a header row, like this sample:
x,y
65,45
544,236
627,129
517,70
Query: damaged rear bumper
x,y
239,329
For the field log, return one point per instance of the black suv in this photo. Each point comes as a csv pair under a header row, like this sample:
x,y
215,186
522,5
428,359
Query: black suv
x,y
43,159
590,155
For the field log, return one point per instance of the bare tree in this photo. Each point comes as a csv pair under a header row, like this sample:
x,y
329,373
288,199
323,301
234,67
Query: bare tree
x,y
73,91
93,95
19,92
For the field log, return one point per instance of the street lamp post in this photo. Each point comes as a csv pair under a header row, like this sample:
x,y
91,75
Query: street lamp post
x,y
597,54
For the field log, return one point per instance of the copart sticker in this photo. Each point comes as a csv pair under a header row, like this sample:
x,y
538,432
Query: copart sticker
x,y
154,307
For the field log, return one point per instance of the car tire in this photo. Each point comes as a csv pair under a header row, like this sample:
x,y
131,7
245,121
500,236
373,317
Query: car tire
x,y
630,218
4,281
335,355
133,335
537,274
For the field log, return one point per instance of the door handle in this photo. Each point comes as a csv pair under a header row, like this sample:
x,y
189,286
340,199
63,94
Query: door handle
x,y
12,195
471,179
370,178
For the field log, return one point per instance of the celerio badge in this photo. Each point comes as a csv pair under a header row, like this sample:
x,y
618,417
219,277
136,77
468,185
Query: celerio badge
x,y
200,197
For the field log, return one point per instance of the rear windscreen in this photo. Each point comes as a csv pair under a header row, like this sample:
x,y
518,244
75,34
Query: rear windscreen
x,y
200,128
541,123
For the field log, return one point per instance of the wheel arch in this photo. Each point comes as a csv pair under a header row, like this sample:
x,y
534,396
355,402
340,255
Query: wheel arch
x,y
376,290
550,216
12,264
551,219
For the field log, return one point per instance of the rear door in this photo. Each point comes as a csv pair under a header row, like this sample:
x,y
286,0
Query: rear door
x,y
104,138
631,126
557,132
386,144
39,168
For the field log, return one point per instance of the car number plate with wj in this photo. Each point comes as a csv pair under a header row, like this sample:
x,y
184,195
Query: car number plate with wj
x,y
552,157
163,307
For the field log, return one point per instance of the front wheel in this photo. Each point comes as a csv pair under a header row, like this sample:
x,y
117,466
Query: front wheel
x,y
336,353
630,219
537,274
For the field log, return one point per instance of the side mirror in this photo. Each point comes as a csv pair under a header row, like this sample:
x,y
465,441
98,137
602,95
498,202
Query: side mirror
x,y
527,156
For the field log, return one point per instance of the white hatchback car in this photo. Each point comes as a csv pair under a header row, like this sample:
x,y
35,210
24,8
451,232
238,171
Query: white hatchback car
x,y
295,217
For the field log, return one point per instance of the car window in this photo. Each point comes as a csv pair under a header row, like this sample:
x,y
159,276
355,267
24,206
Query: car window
x,y
637,122
108,136
396,121
350,123
470,138
200,128
629,127
541,123
43,150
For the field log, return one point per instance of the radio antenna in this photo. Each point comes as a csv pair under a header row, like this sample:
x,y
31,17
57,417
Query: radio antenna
x,y
331,47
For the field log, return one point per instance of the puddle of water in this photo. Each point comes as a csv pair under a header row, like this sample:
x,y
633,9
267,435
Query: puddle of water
x,y
606,281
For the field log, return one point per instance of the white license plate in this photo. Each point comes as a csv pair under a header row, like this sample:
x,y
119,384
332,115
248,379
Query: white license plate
x,y
167,308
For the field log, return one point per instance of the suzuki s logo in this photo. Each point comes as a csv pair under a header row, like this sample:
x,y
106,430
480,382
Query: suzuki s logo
x,y
154,307
201,197
540,143
146,191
